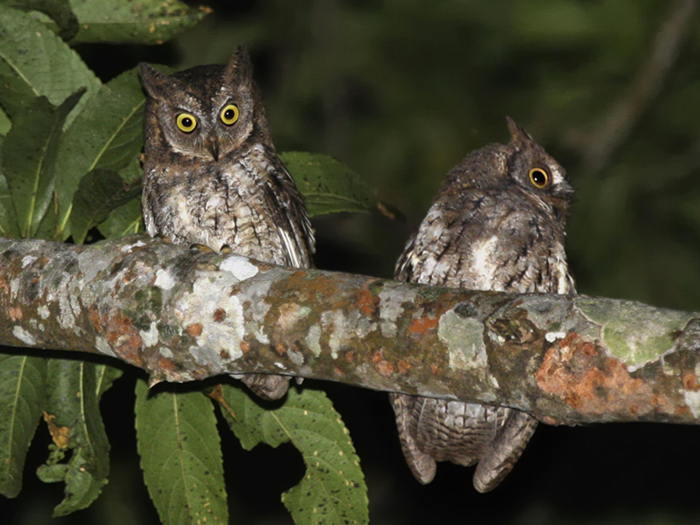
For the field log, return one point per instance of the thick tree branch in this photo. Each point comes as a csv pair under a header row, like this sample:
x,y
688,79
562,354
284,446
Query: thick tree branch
x,y
183,315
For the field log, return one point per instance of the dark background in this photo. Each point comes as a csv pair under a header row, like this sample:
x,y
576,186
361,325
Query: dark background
x,y
402,90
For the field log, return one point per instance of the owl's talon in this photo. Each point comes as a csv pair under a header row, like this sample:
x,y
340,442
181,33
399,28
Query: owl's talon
x,y
226,249
201,248
165,239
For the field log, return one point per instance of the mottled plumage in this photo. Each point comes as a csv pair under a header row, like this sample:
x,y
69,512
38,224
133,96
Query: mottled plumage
x,y
212,176
498,223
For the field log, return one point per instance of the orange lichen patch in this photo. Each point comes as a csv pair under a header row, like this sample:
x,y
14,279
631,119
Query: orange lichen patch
x,y
245,347
224,354
435,369
195,329
219,315
381,365
683,410
656,401
578,371
404,366
166,365
288,316
280,349
338,371
349,356
60,435
385,368
95,319
124,339
15,313
690,381
420,326
365,301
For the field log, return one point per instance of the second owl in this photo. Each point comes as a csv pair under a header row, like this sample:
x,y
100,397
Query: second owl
x,y
212,176
498,223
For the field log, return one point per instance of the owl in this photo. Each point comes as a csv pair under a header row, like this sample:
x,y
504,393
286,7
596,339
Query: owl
x,y
497,223
212,178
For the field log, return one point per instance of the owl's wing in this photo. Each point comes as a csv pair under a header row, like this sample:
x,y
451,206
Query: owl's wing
x,y
292,218
300,239
404,267
422,258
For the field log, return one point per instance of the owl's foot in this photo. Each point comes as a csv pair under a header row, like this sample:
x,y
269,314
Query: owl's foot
x,y
201,248
226,249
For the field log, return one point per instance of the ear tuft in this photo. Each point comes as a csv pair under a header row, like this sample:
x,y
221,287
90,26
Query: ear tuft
x,y
519,134
153,81
239,70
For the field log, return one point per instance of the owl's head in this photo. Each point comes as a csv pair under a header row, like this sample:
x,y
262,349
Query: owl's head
x,y
205,111
534,171
519,169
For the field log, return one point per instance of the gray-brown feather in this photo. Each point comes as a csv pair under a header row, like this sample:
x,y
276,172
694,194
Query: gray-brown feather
x,y
489,228
221,185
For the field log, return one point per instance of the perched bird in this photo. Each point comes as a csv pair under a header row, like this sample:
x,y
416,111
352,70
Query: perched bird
x,y
212,177
498,223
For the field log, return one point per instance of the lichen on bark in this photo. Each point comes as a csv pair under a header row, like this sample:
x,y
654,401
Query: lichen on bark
x,y
183,315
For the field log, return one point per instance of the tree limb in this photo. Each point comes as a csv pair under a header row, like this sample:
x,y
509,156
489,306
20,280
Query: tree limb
x,y
183,315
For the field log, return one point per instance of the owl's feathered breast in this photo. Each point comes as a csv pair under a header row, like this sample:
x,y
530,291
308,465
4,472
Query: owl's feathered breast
x,y
488,240
246,201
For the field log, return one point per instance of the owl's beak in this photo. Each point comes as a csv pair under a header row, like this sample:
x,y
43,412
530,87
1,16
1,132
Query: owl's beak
x,y
213,146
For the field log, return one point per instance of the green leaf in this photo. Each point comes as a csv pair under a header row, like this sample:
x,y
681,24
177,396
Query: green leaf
x,y
58,10
21,397
125,21
5,123
28,159
181,456
8,221
105,376
333,489
72,413
107,134
327,184
100,192
35,62
124,220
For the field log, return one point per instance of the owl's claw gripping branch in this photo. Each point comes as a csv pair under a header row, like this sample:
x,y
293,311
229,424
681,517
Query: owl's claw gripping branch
x,y
184,316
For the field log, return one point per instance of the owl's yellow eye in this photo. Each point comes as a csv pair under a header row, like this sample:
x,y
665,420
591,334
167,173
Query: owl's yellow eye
x,y
539,177
229,115
186,122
